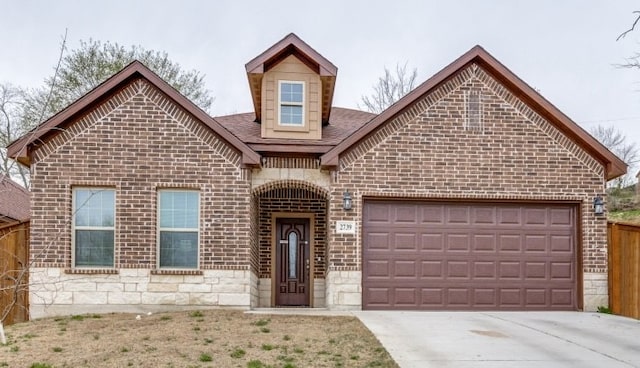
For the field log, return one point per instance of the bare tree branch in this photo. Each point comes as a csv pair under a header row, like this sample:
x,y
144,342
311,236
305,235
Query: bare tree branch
x,y
617,143
633,26
390,88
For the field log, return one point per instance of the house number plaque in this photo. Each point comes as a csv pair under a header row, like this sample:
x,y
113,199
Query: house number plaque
x,y
345,227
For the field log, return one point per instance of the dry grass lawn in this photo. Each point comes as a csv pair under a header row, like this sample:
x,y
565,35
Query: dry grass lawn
x,y
211,338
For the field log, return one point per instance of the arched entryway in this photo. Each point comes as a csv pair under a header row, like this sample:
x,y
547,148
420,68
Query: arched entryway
x,y
291,247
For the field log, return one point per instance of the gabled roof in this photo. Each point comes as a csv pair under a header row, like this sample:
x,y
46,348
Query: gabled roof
x,y
292,45
613,165
21,148
14,201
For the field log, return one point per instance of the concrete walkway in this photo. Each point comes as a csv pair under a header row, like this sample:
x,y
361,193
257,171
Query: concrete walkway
x,y
506,339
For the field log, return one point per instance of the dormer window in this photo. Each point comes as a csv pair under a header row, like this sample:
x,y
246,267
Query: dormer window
x,y
291,104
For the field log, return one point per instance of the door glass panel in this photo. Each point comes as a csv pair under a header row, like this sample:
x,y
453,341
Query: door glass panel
x,y
293,254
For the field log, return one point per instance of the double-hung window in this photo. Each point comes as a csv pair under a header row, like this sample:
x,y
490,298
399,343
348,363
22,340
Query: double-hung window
x,y
93,227
291,103
178,228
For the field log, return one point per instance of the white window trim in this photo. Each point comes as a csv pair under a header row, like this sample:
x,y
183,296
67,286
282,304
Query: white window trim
x,y
171,229
288,103
74,227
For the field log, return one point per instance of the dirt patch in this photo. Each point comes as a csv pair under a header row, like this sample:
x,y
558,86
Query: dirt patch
x,y
212,338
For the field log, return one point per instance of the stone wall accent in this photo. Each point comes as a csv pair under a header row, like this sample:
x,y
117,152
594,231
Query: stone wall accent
x,y
319,293
344,290
596,291
260,177
264,289
54,292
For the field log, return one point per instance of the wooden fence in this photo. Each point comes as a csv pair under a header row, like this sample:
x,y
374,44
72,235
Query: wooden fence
x,y
14,257
624,269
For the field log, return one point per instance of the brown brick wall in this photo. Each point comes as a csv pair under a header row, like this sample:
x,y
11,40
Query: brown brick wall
x,y
427,153
292,200
137,142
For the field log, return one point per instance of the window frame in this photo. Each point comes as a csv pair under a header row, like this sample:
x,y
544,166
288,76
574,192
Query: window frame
x,y
160,229
75,227
291,103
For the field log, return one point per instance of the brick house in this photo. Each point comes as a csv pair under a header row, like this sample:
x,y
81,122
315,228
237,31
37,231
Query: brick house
x,y
472,192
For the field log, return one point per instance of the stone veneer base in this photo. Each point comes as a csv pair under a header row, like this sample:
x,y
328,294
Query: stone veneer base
x,y
53,292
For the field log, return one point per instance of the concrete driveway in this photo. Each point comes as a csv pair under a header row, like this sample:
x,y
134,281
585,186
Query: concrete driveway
x,y
506,339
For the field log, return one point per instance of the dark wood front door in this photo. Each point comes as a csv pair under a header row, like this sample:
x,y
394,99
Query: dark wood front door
x,y
292,262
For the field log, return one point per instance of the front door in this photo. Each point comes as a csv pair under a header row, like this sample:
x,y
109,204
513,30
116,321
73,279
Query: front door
x,y
292,262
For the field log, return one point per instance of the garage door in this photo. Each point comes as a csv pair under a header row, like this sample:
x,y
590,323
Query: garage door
x,y
427,255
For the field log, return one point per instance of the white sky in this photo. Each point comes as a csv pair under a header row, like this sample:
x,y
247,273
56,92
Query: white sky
x,y
566,49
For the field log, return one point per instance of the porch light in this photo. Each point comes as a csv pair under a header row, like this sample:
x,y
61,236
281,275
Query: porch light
x,y
598,206
347,201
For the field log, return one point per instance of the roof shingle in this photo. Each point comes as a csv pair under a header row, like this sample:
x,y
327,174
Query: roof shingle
x,y
14,201
343,123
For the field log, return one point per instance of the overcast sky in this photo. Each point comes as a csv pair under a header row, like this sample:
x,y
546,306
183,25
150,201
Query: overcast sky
x,y
564,49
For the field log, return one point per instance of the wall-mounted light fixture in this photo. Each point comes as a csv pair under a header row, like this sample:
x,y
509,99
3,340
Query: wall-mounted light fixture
x,y
598,206
347,201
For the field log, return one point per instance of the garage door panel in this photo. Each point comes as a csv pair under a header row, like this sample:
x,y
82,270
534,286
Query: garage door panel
x,y
405,269
432,214
458,270
509,270
378,241
457,243
483,216
561,217
458,297
535,243
485,297
535,297
509,216
562,297
432,242
510,297
484,270
432,297
405,297
510,243
406,214
484,243
458,215
561,244
432,270
379,269
561,270
535,270
461,256
378,297
405,241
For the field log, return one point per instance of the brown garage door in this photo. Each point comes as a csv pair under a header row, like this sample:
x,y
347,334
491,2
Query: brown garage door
x,y
428,255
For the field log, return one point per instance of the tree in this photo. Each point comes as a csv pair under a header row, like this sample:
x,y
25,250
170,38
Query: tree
x,y
390,88
633,26
617,143
77,72
12,127
84,68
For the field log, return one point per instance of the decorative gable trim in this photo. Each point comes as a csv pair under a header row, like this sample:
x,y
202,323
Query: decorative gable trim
x,y
292,45
462,78
23,148
613,165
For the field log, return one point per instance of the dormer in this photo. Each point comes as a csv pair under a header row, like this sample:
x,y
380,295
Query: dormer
x,y
292,90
